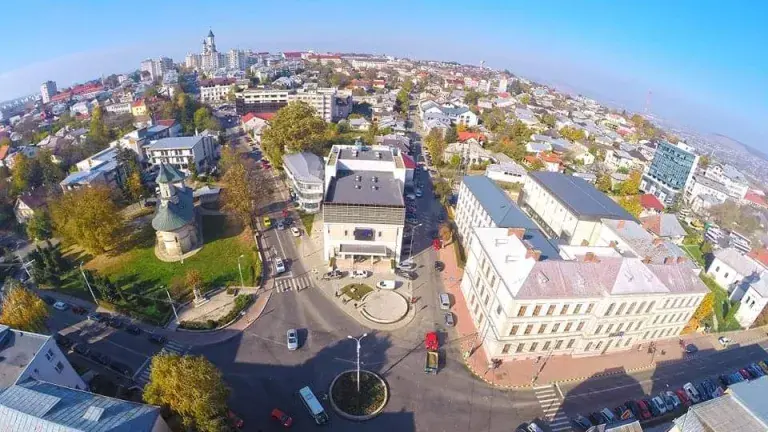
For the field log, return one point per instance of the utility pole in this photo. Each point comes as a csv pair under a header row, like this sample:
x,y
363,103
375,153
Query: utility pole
x,y
240,269
88,284
413,234
358,357
173,307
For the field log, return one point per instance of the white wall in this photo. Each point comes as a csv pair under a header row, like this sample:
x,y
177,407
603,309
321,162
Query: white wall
x,y
752,304
723,274
43,366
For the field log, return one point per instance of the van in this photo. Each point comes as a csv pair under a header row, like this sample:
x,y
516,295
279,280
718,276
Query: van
x,y
445,301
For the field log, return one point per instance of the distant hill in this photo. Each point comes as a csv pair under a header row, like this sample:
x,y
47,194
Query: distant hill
x,y
736,145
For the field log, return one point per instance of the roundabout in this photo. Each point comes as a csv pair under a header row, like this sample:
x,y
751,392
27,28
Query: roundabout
x,y
361,405
384,307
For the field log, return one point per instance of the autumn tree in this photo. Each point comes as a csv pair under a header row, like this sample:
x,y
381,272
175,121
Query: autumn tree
x,y
603,183
471,97
23,310
295,128
190,386
549,119
632,185
435,143
451,134
39,226
455,161
98,131
193,279
134,187
445,233
631,204
238,193
526,99
537,165
89,218
572,134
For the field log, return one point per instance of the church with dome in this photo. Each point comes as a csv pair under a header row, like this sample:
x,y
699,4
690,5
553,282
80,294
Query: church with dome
x,y
175,220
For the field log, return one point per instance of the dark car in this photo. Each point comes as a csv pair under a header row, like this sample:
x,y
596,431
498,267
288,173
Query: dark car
x,y
644,410
333,274
157,339
79,310
598,418
691,348
115,322
63,341
133,329
449,319
439,266
48,299
410,275
81,348
98,317
121,368
581,422
100,358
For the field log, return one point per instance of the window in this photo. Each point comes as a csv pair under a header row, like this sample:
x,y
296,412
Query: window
x,y
589,307
610,309
640,308
555,327
664,319
621,308
609,328
650,306
580,326
59,367
506,348
717,269
536,310
528,329
631,308
599,344
656,319
577,308
521,311
533,347
513,330
564,309
621,325
520,348
472,300
546,345
568,326
629,341
570,343
498,310
49,355
653,336
666,303
645,336
485,302
599,329
542,328
558,344
725,275
589,345
550,310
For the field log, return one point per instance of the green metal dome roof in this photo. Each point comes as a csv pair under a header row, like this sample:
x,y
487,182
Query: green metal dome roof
x,y
169,174
175,215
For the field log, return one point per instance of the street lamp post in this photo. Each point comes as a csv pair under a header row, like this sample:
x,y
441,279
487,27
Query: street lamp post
x,y
173,307
358,357
413,234
240,270
88,284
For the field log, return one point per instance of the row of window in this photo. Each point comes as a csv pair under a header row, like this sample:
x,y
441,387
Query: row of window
x,y
534,346
659,333
59,366
543,328
599,344
609,328
670,318
566,309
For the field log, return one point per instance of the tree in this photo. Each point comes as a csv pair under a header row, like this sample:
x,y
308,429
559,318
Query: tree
x,y
295,128
23,310
455,161
632,185
204,120
493,119
134,187
98,131
25,174
403,101
193,279
435,144
572,134
445,233
442,189
704,161
514,88
89,218
50,172
549,119
631,204
39,226
238,195
452,134
603,183
190,386
537,165
471,97
526,99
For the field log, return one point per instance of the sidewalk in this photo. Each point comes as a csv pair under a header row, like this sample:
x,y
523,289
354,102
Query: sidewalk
x,y
521,373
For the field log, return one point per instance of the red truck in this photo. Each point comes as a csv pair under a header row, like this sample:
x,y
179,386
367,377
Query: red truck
x,y
433,357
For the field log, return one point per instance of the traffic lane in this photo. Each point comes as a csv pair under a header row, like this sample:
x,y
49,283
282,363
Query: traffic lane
x,y
612,390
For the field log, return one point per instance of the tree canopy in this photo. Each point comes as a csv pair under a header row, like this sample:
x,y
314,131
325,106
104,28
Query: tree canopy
x,y
572,134
632,185
631,204
452,134
39,226
295,128
23,310
603,183
88,217
239,194
435,143
471,97
190,386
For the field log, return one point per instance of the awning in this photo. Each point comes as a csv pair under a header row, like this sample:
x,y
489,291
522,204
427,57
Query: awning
x,y
362,249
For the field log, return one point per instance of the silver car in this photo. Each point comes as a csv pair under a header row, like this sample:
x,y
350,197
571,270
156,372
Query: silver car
x,y
292,340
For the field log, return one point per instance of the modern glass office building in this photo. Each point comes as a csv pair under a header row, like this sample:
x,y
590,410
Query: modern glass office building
x,y
672,168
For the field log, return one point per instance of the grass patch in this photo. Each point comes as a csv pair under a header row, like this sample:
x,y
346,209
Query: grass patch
x,y
356,291
694,251
307,219
370,398
725,310
241,302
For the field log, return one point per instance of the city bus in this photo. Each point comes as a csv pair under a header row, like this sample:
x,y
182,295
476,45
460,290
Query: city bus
x,y
313,406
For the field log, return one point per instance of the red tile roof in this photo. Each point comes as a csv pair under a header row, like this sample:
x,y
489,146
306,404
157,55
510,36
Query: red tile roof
x,y
166,122
292,54
756,198
759,255
265,115
463,136
247,117
138,103
649,201
408,162
4,151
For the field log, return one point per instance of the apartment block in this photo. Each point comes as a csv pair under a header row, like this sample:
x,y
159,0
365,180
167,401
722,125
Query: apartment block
x,y
182,152
325,101
671,170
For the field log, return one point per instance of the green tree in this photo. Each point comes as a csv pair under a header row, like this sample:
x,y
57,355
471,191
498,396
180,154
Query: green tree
x,y
632,185
39,226
134,187
295,128
403,101
572,134
704,161
238,195
526,99
98,131
514,88
471,97
23,310
451,135
190,386
204,120
493,119
549,119
631,204
455,161
435,144
25,175
603,183
89,218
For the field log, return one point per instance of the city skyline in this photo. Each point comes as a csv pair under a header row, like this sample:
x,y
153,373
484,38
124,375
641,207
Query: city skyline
x,y
708,82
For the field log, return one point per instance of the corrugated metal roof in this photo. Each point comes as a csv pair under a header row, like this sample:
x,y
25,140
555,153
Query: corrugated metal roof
x,y
580,197
175,143
503,211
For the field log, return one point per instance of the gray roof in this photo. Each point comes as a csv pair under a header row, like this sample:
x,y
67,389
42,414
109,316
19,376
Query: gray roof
x,y
171,216
17,349
664,225
345,188
580,197
751,394
708,182
736,260
364,153
642,242
40,406
175,143
306,167
722,414
506,214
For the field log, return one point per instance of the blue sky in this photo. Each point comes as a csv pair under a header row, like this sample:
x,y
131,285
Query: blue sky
x,y
704,61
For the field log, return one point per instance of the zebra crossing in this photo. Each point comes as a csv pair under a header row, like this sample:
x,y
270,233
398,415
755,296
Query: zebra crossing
x,y
296,283
551,404
142,375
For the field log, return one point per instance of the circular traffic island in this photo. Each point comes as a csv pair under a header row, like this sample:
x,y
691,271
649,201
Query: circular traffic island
x,y
363,405
384,307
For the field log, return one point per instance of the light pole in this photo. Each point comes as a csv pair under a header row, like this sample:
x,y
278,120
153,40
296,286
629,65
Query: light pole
x,y
358,357
240,269
88,284
413,234
173,307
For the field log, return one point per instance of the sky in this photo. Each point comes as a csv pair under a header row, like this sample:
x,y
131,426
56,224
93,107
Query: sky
x,y
703,61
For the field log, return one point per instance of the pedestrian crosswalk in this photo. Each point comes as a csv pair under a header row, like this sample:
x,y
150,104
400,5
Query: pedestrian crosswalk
x,y
142,375
296,283
551,404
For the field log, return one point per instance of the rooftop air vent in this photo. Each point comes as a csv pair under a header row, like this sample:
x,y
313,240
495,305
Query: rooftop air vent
x,y
378,155
357,186
374,187
358,178
375,179
93,413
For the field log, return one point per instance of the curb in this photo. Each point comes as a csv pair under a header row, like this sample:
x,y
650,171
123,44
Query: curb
x,y
361,418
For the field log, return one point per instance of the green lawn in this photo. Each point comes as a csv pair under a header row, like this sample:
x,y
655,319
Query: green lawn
x,y
360,290
724,311
694,250
140,272
307,219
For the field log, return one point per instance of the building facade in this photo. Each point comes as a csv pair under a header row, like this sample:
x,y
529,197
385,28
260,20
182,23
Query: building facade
x,y
305,176
182,152
671,170
47,90
323,100
215,91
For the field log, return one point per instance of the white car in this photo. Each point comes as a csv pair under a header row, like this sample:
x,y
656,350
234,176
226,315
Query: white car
x,y
724,341
359,274
295,231
406,265
279,266
60,306
292,340
280,225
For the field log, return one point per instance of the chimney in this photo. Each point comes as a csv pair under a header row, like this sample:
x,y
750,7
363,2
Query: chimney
x,y
669,260
681,259
612,244
533,253
584,242
589,257
657,241
517,232
647,260
621,224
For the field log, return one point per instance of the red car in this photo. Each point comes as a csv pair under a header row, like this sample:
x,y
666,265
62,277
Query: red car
x,y
430,341
744,373
645,412
234,420
683,397
282,417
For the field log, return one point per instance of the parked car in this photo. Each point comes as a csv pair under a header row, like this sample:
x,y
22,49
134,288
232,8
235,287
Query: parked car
x,y
133,329
81,348
279,266
98,317
121,368
267,222
724,341
671,399
609,415
292,340
386,284
692,393
359,274
683,397
234,420
280,225
157,339
48,299
333,274
763,365
581,422
410,275
439,266
691,348
449,319
645,410
59,305
406,265
115,322
295,231
445,301
284,419
745,374
660,405
756,369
